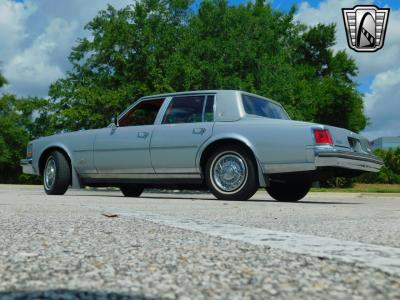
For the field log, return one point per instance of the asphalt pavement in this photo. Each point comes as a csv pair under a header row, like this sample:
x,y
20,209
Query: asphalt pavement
x,y
99,244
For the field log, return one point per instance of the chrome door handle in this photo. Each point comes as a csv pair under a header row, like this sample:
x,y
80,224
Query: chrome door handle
x,y
198,130
142,135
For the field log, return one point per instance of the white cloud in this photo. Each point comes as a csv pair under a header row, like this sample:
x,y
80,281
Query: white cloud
x,y
387,57
33,68
382,102
37,36
13,16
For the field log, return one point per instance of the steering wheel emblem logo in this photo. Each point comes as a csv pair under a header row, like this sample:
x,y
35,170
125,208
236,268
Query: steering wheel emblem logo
x,y
365,27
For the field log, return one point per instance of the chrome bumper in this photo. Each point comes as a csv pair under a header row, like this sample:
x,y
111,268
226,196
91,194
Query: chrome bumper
x,y
27,167
348,160
329,157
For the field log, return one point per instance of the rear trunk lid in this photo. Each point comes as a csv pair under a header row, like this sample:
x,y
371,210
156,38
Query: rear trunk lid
x,y
348,140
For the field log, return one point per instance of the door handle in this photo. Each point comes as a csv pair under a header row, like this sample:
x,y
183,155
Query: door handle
x,y
142,134
198,130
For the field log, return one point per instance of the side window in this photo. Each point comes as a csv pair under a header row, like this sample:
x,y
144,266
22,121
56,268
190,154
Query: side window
x,y
185,109
144,113
263,108
209,109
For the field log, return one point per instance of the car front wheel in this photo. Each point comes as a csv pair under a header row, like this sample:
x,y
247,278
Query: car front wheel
x,y
289,191
56,174
231,174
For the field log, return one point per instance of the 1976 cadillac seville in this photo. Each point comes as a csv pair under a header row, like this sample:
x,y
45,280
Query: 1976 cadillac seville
x,y
230,142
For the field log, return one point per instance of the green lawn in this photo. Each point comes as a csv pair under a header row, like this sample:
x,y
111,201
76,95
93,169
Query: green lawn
x,y
363,188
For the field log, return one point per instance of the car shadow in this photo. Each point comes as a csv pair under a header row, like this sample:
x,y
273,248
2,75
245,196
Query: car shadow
x,y
61,294
251,200
176,196
327,202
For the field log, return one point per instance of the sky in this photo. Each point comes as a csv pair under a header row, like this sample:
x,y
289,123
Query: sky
x,y
36,37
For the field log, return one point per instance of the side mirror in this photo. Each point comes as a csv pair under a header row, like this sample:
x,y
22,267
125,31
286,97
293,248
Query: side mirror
x,y
114,121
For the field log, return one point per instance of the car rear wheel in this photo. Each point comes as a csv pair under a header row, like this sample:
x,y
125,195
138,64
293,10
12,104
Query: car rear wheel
x,y
132,190
56,174
231,174
289,191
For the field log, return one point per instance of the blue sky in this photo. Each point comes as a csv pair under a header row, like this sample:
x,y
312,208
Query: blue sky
x,y
364,81
287,4
379,72
36,37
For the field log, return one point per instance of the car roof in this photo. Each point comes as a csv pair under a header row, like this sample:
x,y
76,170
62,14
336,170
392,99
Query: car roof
x,y
185,93
206,92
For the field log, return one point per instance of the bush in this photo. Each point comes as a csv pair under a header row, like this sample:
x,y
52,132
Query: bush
x,y
390,172
338,182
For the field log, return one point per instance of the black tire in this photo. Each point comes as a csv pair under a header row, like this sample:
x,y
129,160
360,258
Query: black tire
x,y
131,190
61,174
248,186
290,191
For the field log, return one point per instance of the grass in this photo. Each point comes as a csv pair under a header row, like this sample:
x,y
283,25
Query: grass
x,y
363,188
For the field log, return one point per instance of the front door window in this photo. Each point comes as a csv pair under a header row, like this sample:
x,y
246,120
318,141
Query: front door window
x,y
144,113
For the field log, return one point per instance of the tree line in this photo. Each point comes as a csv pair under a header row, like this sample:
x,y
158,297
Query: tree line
x,y
157,46
21,120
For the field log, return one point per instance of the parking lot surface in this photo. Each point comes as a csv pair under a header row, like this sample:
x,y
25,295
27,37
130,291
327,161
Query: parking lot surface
x,y
93,244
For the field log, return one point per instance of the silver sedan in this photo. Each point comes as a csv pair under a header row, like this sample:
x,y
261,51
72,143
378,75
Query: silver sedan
x,y
230,142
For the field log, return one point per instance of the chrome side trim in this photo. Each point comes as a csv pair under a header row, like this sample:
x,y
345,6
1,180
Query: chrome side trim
x,y
123,171
288,168
142,176
175,171
119,149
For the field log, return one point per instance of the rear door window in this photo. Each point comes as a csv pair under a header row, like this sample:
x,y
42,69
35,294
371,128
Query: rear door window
x,y
185,109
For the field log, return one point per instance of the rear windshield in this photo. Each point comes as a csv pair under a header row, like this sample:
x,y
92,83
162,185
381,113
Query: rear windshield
x,y
263,108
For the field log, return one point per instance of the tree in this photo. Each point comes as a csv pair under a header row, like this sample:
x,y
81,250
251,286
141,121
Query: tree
x,y
3,81
20,121
13,140
124,59
156,46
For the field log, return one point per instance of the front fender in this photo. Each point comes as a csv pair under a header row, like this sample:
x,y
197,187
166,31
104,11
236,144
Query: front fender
x,y
75,179
44,147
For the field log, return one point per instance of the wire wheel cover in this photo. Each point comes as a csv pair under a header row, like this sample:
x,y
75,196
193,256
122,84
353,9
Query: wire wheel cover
x,y
229,172
50,173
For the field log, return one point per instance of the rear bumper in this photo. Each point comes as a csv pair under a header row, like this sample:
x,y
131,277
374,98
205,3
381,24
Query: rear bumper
x,y
27,167
329,157
348,160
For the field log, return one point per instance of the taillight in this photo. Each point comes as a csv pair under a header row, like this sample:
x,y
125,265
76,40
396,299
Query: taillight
x,y
322,137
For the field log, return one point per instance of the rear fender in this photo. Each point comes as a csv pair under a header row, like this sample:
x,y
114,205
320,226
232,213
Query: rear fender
x,y
239,138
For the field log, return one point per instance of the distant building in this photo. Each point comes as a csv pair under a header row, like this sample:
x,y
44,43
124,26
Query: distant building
x,y
386,142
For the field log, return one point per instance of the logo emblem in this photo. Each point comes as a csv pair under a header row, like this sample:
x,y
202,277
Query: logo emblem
x,y
366,27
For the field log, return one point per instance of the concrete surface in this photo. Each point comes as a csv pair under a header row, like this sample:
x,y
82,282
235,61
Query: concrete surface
x,y
191,246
